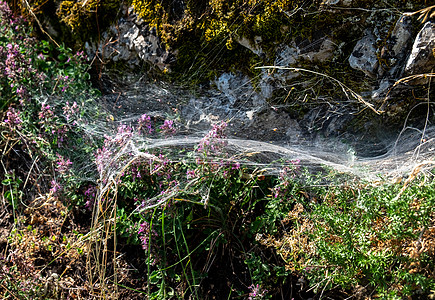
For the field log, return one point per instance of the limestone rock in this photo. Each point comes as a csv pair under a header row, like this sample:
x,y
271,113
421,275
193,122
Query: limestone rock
x,y
384,88
287,55
421,59
401,35
131,40
226,84
345,3
396,48
363,56
253,46
238,90
323,53
394,54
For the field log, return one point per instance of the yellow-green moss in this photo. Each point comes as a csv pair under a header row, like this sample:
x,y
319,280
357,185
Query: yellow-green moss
x,y
84,19
151,11
75,15
74,22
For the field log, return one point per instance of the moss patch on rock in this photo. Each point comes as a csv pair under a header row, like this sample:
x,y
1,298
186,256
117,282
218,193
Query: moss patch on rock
x,y
71,22
206,34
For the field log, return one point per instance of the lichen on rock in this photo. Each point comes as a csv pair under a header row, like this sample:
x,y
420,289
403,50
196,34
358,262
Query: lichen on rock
x,y
421,59
363,45
363,56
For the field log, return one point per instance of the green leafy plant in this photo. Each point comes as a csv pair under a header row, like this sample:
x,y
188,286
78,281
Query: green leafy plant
x,y
363,235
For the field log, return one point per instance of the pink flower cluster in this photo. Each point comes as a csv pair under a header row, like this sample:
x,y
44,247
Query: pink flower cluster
x,y
46,114
215,140
13,119
285,176
64,81
70,110
256,292
168,127
62,164
55,187
90,195
60,135
144,234
22,94
104,155
15,65
144,125
136,171
212,156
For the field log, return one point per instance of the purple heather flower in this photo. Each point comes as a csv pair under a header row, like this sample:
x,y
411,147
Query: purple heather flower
x,y
61,135
168,127
104,155
13,118
90,195
21,91
123,130
191,174
214,141
91,191
46,113
144,234
256,292
62,165
235,166
144,124
55,186
70,110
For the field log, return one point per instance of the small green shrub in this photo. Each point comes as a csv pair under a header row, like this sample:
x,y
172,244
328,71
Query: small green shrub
x,y
45,101
379,236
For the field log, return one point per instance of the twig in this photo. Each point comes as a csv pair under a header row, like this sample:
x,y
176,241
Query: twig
x,y
412,176
424,13
39,23
406,80
12,294
427,116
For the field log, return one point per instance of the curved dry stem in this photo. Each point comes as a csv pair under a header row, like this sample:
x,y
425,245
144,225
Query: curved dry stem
x,y
346,90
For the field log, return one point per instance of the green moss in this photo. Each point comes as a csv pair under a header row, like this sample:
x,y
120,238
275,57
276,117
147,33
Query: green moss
x,y
74,22
198,65
152,11
86,20
205,33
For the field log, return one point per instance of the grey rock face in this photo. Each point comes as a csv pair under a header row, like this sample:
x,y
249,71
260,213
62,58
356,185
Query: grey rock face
x,y
287,55
384,87
324,52
363,57
421,59
253,46
131,40
394,54
337,2
395,50
401,36
238,89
